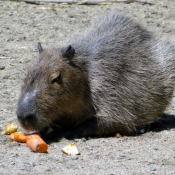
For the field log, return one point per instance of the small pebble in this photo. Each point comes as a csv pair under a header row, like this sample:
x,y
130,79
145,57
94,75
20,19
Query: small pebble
x,y
83,140
2,67
6,77
152,169
74,157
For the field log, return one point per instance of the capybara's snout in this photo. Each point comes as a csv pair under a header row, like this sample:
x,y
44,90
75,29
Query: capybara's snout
x,y
26,111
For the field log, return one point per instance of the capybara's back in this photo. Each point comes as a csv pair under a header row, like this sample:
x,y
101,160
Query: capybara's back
x,y
114,78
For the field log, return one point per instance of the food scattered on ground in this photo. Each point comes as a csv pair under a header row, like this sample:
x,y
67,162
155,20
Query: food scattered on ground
x,y
34,141
117,135
71,149
19,137
10,128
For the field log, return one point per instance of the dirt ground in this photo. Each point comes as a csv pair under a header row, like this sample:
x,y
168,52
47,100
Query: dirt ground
x,y
22,25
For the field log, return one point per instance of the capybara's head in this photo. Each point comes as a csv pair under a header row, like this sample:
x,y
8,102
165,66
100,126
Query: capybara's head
x,y
54,88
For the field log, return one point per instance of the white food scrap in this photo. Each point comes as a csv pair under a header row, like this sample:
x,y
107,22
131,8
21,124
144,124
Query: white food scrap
x,y
71,149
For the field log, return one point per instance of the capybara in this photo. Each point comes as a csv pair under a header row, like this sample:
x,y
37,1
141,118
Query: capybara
x,y
114,78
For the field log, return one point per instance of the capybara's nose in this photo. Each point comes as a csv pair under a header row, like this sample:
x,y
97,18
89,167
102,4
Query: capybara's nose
x,y
26,110
26,116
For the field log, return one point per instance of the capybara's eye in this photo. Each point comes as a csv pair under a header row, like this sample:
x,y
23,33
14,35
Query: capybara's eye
x,y
57,79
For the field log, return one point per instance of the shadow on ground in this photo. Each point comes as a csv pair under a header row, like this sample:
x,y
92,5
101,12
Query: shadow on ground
x,y
166,122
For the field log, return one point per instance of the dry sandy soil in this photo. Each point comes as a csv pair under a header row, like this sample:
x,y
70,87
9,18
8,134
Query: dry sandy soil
x,y
22,25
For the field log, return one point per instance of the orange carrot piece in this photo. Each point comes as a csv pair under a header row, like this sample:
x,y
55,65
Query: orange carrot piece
x,y
117,135
19,137
36,143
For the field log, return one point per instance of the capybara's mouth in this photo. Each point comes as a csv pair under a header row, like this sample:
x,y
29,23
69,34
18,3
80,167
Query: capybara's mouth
x,y
36,126
27,126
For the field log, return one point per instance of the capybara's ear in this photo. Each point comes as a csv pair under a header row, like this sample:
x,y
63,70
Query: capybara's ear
x,y
68,53
39,47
